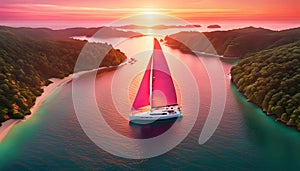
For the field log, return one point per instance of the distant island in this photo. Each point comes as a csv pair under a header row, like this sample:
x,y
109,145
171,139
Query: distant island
x,y
157,26
46,33
214,26
233,43
30,57
107,32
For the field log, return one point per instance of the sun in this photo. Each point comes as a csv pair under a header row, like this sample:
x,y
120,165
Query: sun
x,y
151,16
150,11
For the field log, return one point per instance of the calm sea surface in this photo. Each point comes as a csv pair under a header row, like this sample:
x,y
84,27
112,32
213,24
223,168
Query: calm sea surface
x,y
246,139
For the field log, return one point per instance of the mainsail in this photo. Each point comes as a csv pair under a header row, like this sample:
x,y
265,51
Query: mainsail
x,y
162,84
159,90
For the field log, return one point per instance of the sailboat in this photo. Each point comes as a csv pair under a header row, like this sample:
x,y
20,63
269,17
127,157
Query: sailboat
x,y
156,90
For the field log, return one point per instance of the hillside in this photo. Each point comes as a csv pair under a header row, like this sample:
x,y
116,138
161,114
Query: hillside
x,y
234,43
27,62
271,79
46,33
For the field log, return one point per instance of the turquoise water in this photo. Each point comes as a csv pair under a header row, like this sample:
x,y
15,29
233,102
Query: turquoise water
x,y
246,138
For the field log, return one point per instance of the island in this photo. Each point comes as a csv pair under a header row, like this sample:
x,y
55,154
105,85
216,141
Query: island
x,y
271,79
214,26
30,57
46,33
268,73
233,43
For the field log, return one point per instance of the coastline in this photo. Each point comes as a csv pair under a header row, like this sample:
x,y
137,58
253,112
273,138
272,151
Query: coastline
x,y
9,124
56,82
277,119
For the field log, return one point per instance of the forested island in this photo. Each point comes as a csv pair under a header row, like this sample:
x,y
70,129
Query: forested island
x,y
271,80
268,73
30,57
233,43
46,33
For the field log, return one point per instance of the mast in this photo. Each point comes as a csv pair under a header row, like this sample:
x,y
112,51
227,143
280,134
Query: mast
x,y
151,80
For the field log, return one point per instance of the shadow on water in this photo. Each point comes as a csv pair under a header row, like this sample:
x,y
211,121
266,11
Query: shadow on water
x,y
150,130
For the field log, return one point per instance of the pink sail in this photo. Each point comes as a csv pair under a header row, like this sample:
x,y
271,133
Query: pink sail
x,y
143,95
163,90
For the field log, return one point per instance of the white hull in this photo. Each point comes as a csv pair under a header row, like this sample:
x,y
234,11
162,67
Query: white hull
x,y
155,115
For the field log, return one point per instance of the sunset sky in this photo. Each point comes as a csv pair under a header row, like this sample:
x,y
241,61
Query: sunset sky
x,y
53,11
